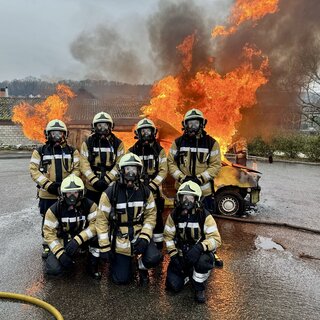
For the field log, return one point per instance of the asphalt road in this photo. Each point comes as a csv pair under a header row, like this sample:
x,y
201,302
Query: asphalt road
x,y
255,283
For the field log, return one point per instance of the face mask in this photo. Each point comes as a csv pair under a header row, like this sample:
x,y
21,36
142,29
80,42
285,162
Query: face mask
x,y
192,127
102,128
130,175
71,198
187,202
146,134
56,136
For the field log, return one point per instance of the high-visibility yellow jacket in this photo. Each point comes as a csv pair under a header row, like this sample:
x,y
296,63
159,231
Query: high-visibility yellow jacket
x,y
183,231
99,159
123,216
61,225
198,156
50,164
154,161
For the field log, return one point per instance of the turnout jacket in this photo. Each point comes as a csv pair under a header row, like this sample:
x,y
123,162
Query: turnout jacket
x,y
154,161
61,225
99,159
123,216
198,156
183,231
50,164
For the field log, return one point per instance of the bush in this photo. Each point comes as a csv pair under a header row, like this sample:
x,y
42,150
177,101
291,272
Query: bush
x,y
290,144
258,147
312,148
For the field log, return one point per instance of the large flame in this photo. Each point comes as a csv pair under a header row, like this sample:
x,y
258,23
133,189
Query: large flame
x,y
35,118
246,10
219,97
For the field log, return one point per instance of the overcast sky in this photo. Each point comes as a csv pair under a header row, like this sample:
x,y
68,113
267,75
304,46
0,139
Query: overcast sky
x,y
36,35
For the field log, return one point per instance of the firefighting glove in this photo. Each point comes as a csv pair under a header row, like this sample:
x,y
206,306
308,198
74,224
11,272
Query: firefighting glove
x,y
106,256
66,261
100,185
194,253
72,247
176,263
54,188
140,246
193,179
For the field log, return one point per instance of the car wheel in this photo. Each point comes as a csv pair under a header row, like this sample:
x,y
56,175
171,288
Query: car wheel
x,y
229,203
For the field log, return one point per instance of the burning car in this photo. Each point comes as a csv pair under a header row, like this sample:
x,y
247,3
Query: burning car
x,y
236,189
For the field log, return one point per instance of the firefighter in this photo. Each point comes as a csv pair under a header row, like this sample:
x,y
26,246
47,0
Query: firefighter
x,y
125,222
195,156
154,171
68,224
50,164
191,237
100,154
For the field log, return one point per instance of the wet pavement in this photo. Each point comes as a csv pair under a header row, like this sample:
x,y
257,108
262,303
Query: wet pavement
x,y
253,284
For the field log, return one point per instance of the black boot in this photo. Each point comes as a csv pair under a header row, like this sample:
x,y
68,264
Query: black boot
x,y
93,267
45,251
143,277
199,296
218,262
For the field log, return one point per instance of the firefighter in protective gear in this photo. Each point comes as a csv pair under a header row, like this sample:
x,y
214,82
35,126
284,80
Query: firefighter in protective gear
x,y
100,154
50,164
191,236
68,224
195,156
154,170
125,222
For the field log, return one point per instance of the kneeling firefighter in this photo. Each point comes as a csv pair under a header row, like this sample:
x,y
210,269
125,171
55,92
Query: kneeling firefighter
x,y
125,222
68,224
191,236
155,169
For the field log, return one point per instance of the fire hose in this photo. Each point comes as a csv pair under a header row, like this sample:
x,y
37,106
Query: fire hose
x,y
32,300
268,223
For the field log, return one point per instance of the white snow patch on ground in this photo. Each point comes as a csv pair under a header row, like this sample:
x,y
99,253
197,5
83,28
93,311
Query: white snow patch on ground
x,y
267,244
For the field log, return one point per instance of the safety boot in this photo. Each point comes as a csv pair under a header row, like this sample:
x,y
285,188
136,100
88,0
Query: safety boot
x,y
45,251
218,262
199,296
93,268
143,277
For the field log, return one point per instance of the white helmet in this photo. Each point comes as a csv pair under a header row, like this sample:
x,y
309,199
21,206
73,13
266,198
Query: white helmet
x,y
72,184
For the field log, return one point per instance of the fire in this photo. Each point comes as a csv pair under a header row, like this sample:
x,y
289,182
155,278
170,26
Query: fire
x,y
246,10
219,97
35,118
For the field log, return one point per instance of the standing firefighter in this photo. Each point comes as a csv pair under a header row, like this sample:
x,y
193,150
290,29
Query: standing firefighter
x,y
50,164
154,171
191,237
125,222
100,154
195,156
68,224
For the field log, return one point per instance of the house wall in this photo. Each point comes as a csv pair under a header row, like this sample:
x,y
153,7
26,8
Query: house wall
x,y
11,134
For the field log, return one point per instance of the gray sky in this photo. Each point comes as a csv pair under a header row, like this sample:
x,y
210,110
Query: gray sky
x,y
37,35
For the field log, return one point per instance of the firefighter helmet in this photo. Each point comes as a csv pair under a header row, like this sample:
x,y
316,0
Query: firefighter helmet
x,y
55,125
188,125
191,188
102,117
130,159
146,135
188,196
70,185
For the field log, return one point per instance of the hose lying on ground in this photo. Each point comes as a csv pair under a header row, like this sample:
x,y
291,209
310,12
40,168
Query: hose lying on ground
x,y
268,223
32,300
